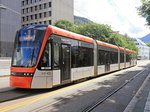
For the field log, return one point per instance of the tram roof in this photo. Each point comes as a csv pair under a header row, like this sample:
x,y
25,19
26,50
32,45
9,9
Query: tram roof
x,y
72,35
107,44
68,34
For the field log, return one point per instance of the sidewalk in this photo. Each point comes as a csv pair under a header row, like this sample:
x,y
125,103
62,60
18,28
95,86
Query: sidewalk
x,y
5,67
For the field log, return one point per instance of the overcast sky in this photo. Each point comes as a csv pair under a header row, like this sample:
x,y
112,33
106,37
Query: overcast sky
x,y
121,15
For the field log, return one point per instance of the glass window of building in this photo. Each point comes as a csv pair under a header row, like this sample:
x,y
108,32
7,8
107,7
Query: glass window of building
x,y
31,17
40,15
22,3
23,19
22,11
35,8
31,9
27,18
50,4
44,14
40,7
44,5
35,16
50,13
50,22
27,2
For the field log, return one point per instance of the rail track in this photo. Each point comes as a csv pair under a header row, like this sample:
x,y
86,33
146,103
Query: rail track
x,y
100,101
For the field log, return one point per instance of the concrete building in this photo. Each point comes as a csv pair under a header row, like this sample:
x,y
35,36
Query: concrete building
x,y
46,11
144,50
10,22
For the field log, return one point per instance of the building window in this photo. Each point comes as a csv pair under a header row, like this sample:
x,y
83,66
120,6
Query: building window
x,y
44,5
27,10
31,9
44,22
35,16
23,3
27,18
50,22
40,15
23,11
50,4
27,2
23,19
35,8
50,13
40,7
44,14
31,17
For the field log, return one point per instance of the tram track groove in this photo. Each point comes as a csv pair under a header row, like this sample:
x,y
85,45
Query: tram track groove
x,y
96,104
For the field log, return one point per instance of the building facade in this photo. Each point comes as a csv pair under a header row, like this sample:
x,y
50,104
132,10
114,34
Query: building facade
x,y
10,22
144,50
46,11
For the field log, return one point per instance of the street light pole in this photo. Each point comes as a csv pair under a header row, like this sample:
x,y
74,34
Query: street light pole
x,y
0,27
4,7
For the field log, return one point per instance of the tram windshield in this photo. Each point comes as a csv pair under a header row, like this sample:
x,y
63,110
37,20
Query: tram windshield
x,y
28,43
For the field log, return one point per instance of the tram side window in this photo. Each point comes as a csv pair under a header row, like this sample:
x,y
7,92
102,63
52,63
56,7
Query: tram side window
x,y
56,56
101,57
114,57
45,62
85,55
129,57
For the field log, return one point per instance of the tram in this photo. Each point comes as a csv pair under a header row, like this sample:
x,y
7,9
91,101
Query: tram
x,y
45,56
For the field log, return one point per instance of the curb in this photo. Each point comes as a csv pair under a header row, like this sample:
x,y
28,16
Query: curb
x,y
4,76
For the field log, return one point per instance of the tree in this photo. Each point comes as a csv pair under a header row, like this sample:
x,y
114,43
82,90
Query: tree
x,y
100,32
144,10
64,24
148,44
95,31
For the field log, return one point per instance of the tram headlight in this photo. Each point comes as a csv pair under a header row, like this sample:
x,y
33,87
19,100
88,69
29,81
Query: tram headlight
x,y
21,74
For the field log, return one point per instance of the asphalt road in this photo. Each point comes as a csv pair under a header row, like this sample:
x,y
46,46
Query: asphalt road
x,y
77,97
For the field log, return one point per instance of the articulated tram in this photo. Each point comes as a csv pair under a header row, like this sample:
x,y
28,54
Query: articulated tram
x,y
45,56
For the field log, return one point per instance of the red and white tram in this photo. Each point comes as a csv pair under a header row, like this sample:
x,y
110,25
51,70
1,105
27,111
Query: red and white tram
x,y
45,56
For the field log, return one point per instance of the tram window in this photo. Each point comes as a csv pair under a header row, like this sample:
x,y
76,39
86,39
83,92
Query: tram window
x,y
121,57
45,62
56,56
113,57
101,57
85,55
128,57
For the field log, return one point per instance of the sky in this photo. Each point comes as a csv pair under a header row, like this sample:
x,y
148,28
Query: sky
x,y
121,15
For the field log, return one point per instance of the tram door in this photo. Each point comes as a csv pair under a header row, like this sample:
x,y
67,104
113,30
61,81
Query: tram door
x,y
65,63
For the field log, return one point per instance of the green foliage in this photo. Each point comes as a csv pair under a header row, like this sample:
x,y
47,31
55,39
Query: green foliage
x,y
100,32
95,31
148,44
144,10
64,24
